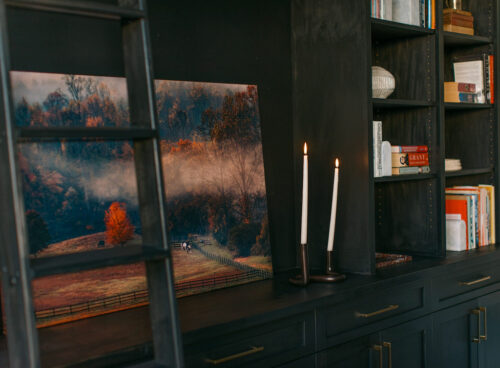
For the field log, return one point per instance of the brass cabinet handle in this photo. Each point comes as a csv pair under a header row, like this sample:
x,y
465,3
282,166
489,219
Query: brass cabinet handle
x,y
252,350
380,349
485,336
477,339
388,345
469,283
380,311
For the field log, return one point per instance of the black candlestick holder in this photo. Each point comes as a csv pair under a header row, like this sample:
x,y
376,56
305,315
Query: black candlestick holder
x,y
305,278
330,275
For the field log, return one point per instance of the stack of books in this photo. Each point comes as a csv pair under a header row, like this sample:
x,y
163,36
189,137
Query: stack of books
x,y
414,12
452,164
460,92
459,21
470,217
477,70
408,160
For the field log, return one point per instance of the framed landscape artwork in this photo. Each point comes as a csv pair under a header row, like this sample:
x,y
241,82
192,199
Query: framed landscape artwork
x,y
82,195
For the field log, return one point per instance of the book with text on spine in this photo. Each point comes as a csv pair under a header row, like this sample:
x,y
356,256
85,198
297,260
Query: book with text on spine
x,y
411,170
410,159
406,149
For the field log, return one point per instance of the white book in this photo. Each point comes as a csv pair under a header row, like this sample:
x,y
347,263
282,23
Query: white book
x,y
455,235
406,11
471,72
386,159
377,149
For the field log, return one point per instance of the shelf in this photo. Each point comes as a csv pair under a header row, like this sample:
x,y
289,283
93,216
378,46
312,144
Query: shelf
x,y
386,30
54,133
76,262
468,172
383,103
82,8
466,106
396,178
452,39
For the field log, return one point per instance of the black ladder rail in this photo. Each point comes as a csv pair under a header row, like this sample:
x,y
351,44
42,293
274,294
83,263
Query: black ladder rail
x,y
82,8
23,351
23,348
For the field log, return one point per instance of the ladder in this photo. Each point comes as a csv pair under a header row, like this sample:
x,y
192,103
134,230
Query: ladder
x,y
17,269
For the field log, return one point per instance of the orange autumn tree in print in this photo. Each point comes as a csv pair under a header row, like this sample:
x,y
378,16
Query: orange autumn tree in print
x,y
119,229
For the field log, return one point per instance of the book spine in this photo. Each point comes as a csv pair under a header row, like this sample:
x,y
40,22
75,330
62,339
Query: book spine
x,y
467,97
466,87
429,14
422,13
433,14
486,76
407,149
492,78
377,148
459,22
410,159
411,170
458,29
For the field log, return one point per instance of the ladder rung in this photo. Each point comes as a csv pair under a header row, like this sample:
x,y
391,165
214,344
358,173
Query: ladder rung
x,y
83,8
75,262
53,133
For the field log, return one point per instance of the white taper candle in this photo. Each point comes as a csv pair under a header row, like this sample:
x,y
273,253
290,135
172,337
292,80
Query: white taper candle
x,y
305,190
333,215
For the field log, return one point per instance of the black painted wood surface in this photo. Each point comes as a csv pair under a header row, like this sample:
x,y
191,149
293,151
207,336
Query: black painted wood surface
x,y
240,42
330,84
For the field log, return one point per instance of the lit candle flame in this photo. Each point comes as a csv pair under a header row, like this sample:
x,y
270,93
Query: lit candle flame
x,y
336,162
305,148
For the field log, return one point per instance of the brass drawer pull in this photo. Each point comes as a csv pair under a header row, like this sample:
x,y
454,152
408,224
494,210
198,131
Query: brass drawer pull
x,y
477,339
385,310
469,283
485,336
388,345
379,348
252,350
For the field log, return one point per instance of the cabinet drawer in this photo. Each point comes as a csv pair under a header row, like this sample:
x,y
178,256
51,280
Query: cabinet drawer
x,y
454,284
263,346
370,308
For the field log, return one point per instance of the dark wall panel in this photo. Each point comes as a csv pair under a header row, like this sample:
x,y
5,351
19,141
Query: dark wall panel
x,y
330,112
246,41
49,42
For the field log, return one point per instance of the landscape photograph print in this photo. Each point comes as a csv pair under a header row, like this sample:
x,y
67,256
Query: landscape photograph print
x,y
82,195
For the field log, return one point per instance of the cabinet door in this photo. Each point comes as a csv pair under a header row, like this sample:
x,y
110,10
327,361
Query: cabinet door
x,y
489,352
353,354
455,331
407,345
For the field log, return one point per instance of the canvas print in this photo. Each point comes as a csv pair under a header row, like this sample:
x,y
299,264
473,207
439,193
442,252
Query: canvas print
x,y
82,195
214,181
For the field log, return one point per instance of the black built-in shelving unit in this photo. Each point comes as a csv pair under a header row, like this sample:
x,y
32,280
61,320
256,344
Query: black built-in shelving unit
x,y
333,111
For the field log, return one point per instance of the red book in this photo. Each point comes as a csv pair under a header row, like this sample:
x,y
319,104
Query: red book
x,y
406,149
492,78
410,159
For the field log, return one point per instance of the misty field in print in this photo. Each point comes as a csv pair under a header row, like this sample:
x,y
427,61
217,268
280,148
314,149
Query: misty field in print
x,y
81,196
214,180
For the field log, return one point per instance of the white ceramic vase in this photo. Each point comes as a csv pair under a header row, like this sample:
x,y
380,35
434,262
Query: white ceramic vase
x,y
383,82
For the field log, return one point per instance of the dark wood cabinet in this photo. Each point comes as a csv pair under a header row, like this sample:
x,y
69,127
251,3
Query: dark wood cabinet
x,y
489,352
456,336
353,354
408,345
